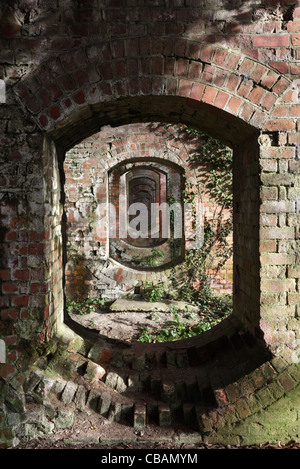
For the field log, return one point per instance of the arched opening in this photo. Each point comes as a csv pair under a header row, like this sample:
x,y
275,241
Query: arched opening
x,y
243,139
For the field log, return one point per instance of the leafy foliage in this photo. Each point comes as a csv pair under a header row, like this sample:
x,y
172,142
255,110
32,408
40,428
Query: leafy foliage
x,y
87,306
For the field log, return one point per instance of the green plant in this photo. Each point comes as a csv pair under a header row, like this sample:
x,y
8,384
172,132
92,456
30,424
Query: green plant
x,y
153,292
153,259
177,329
86,306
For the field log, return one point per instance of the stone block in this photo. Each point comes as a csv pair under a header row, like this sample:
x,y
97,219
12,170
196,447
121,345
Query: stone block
x,y
139,416
104,404
80,397
94,372
164,415
69,392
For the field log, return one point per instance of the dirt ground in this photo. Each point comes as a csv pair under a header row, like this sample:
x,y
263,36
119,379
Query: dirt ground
x,y
128,324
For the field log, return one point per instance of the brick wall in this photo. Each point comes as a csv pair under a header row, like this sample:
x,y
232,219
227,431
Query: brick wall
x,y
229,68
91,178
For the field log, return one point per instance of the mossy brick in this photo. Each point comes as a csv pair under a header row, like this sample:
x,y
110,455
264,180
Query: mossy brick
x,y
242,408
168,391
204,420
69,392
246,386
265,397
111,379
279,364
80,397
33,380
221,397
58,386
138,362
115,411
93,400
286,381
294,371
276,390
258,378
164,416
64,419
94,372
116,359
253,403
95,352
268,371
233,392
139,416
228,416
133,383
171,359
182,359
104,403
121,385
14,400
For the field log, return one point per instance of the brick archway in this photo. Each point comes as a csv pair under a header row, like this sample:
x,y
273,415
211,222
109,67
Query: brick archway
x,y
224,93
65,86
243,102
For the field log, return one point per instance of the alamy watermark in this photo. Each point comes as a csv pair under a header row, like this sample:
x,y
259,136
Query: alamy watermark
x,y
164,221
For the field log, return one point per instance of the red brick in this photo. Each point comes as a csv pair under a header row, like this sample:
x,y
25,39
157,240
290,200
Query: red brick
x,y
282,67
206,53
234,105
6,370
281,86
209,95
208,73
296,39
9,287
4,274
182,67
221,99
295,110
279,40
20,301
195,70
184,88
197,91
55,112
43,120
256,95
268,101
220,57
10,314
22,274
79,97
280,124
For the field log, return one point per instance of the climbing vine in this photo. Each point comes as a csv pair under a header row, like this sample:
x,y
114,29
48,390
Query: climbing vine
x,y
191,282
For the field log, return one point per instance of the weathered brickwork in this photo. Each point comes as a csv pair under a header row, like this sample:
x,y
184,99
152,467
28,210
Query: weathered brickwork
x,y
87,184
228,68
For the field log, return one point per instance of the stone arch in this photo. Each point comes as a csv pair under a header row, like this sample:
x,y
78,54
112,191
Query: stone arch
x,y
65,86
225,93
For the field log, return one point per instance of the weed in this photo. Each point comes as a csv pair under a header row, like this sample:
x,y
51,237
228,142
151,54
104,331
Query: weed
x,y
87,306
